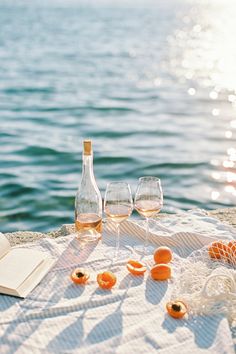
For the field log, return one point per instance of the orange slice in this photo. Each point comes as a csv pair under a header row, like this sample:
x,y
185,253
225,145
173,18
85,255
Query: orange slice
x,y
136,267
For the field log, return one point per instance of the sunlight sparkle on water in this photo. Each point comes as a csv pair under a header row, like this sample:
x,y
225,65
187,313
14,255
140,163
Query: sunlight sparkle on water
x,y
232,98
209,51
215,195
230,189
191,91
228,134
215,112
215,175
231,177
231,151
228,164
233,124
213,95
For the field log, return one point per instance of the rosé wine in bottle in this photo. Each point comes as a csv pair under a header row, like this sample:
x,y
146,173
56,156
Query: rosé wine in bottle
x,y
88,201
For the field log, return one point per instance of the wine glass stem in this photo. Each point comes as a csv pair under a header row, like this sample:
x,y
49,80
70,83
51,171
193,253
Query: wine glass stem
x,y
146,237
117,240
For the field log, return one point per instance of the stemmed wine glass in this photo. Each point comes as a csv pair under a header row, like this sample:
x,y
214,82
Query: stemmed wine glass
x,y
148,202
118,206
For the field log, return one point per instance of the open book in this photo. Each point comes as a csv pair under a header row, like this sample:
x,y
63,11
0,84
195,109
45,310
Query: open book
x,y
21,269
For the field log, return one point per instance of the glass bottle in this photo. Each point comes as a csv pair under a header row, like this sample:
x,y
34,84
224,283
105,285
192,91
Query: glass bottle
x,y
88,201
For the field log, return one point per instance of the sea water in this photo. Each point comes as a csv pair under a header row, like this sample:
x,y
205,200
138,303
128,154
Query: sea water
x,y
152,83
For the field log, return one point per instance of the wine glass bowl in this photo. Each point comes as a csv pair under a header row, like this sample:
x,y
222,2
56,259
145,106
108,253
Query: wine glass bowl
x,y
148,202
148,208
118,206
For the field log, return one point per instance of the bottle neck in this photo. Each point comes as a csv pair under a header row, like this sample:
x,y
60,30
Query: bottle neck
x,y
88,168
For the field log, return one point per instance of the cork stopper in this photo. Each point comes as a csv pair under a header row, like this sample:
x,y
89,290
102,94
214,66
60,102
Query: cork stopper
x,y
87,147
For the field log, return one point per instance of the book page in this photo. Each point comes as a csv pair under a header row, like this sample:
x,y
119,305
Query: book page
x,y
35,277
4,245
17,265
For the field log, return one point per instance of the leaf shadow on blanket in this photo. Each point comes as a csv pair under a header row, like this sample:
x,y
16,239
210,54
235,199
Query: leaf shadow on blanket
x,y
155,290
204,328
131,281
70,338
73,336
7,302
110,327
57,283
75,251
48,292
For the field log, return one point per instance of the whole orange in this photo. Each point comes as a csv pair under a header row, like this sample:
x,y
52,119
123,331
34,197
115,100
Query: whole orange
x,y
232,246
232,252
160,272
218,250
163,255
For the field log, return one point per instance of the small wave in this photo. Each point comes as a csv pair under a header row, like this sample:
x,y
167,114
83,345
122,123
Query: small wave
x,y
15,190
134,98
177,165
37,150
25,90
114,160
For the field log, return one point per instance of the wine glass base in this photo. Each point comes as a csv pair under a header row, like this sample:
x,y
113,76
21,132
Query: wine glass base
x,y
115,256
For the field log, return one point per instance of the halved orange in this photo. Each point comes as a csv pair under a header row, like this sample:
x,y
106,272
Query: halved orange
x,y
106,280
79,276
176,309
136,267
160,272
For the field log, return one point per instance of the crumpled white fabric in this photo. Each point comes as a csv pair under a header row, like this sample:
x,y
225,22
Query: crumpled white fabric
x,y
60,317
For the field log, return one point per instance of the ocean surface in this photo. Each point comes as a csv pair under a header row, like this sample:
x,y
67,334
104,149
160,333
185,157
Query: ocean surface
x,y
152,83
